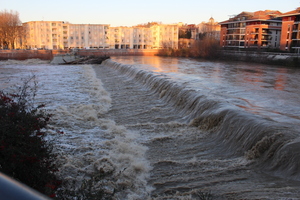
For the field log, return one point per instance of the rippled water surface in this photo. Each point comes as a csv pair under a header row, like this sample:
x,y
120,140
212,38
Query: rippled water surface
x,y
172,128
271,91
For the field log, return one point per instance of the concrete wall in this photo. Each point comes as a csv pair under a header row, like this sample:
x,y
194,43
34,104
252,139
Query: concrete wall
x,y
117,52
29,54
288,59
49,54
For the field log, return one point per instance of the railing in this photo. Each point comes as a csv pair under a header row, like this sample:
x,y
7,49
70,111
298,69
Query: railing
x,y
11,189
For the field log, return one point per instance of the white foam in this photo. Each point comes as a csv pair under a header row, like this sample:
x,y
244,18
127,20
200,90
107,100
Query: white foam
x,y
92,144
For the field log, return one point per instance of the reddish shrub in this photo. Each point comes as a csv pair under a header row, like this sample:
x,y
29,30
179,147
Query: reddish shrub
x,y
24,153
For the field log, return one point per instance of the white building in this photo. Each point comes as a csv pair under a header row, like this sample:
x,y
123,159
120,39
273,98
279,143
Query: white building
x,y
64,35
46,35
164,35
88,36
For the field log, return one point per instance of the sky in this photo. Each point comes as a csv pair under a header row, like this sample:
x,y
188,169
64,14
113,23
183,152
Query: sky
x,y
133,12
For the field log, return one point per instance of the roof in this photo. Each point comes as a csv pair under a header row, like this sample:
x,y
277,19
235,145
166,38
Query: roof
x,y
258,15
291,13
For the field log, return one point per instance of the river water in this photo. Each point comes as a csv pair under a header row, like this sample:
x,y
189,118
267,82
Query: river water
x,y
172,128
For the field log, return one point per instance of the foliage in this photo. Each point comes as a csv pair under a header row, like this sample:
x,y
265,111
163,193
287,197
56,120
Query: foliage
x,y
10,29
25,155
187,33
207,47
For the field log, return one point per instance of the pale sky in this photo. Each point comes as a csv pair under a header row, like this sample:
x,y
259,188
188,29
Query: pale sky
x,y
133,12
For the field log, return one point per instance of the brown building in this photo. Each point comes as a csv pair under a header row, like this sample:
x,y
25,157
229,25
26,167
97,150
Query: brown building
x,y
290,33
261,29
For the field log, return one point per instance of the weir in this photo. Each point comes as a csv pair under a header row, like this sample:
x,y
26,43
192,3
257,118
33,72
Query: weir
x,y
273,146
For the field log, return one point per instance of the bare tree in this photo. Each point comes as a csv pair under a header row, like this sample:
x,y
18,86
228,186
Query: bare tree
x,y
10,29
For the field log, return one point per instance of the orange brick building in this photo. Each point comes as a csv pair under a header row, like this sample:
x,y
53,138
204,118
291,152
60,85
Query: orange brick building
x,y
261,29
290,31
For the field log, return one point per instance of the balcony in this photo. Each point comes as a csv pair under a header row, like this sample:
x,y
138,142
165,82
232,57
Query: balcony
x,y
266,33
266,40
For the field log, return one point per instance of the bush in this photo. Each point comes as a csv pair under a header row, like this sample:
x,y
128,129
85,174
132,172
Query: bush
x,y
24,153
207,48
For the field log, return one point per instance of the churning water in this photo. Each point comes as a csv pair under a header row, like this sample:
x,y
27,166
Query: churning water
x,y
169,128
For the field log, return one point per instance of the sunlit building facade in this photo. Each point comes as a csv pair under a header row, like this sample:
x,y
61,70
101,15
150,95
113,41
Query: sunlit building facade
x,y
120,38
290,36
211,29
189,33
64,35
88,36
46,34
261,29
164,35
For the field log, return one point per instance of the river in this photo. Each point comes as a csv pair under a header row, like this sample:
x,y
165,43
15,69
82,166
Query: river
x,y
172,128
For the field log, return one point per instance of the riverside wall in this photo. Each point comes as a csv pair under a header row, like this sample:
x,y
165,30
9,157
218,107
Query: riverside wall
x,y
288,59
49,54
29,54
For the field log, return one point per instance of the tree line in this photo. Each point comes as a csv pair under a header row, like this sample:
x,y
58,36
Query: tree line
x,y
11,30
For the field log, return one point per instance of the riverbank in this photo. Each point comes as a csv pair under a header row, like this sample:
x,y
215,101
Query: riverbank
x,y
50,54
209,53
270,58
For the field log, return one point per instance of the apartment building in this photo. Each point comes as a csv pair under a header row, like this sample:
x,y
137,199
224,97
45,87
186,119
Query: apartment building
x,y
87,36
261,29
64,35
120,38
164,35
46,34
290,33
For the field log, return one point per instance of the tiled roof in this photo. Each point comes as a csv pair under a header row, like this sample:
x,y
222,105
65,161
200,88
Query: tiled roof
x,y
293,12
262,15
